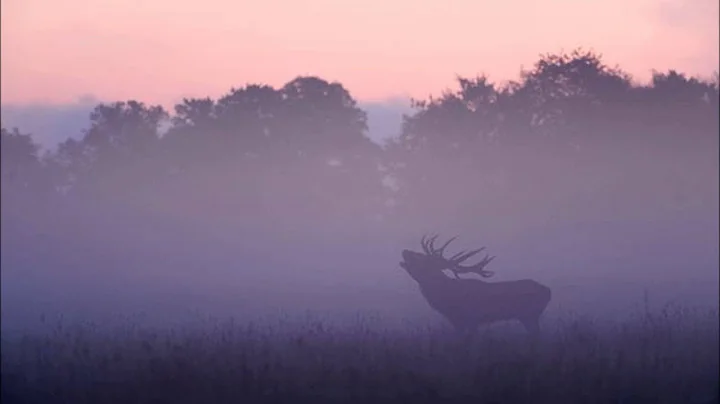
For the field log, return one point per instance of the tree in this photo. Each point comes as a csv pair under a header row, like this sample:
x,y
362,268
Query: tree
x,y
322,134
267,150
20,160
117,156
546,139
26,189
124,129
448,141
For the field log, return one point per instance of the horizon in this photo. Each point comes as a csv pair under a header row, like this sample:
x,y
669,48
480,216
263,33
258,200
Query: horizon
x,y
51,124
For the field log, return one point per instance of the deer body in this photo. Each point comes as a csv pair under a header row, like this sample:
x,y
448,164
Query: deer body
x,y
469,303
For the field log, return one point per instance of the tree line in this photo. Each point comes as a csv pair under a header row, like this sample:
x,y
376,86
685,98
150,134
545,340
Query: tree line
x,y
571,135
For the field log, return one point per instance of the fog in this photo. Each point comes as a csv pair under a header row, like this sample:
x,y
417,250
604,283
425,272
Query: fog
x,y
275,203
603,251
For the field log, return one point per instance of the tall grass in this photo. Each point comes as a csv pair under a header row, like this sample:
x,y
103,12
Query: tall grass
x,y
666,357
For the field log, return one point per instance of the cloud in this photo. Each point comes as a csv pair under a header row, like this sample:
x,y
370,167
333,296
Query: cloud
x,y
51,124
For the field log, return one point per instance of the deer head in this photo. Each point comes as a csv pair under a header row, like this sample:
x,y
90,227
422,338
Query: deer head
x,y
432,261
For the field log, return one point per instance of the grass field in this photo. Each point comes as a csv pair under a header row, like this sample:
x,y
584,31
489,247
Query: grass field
x,y
666,357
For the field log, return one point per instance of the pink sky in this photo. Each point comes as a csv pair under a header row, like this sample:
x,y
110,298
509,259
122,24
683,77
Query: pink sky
x,y
160,50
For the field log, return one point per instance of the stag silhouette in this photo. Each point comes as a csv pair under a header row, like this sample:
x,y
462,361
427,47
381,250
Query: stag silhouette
x,y
469,303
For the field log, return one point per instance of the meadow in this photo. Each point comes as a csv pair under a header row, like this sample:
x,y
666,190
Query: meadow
x,y
665,356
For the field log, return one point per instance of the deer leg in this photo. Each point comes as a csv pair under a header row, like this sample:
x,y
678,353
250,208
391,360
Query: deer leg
x,y
531,324
461,329
461,326
465,332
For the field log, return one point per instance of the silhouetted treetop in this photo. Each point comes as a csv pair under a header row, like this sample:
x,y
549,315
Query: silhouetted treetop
x,y
676,88
319,115
565,100
455,119
131,126
307,115
197,112
580,75
117,151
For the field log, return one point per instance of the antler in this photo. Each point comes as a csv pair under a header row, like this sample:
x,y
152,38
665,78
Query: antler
x,y
428,245
478,268
454,262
